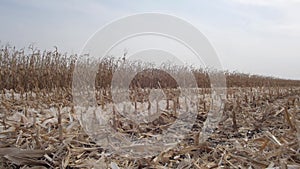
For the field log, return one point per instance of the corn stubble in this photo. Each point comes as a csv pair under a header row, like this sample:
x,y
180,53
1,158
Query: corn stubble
x,y
259,128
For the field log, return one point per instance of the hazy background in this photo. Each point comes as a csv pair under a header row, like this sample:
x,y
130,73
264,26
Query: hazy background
x,y
250,36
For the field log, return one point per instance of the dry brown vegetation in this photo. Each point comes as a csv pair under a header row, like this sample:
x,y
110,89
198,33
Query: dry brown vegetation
x,y
25,71
38,127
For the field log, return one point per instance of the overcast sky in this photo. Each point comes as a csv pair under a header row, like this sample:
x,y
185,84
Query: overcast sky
x,y
250,36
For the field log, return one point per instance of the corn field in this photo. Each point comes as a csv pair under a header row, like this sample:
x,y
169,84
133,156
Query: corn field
x,y
259,128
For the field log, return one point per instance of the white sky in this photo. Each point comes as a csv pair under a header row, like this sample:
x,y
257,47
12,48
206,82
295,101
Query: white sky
x,y
251,36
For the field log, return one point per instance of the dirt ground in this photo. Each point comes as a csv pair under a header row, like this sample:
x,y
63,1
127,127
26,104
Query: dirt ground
x,y
260,128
